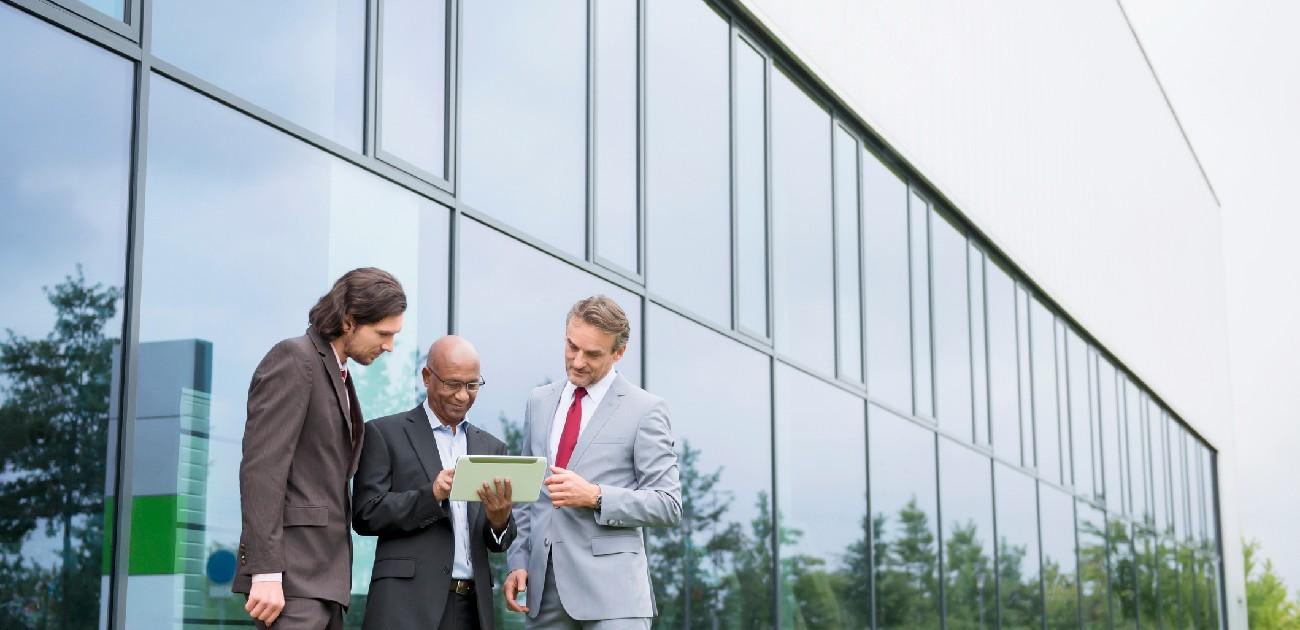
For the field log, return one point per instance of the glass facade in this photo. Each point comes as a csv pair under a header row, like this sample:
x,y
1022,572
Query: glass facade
x,y
881,422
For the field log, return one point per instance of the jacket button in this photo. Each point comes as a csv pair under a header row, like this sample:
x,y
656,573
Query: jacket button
x,y
547,542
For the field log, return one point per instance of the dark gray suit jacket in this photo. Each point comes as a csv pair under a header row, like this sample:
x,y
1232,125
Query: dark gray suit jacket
x,y
393,499
301,443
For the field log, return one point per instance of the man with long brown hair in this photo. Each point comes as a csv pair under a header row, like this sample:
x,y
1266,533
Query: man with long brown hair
x,y
301,443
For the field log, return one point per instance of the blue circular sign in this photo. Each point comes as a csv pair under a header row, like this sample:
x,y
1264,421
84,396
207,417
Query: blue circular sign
x,y
221,566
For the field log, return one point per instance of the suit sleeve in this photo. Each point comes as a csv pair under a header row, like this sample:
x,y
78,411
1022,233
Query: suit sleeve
x,y
517,554
508,537
656,501
376,509
277,410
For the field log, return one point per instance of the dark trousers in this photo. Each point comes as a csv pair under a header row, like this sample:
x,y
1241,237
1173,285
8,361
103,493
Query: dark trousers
x,y
301,613
460,613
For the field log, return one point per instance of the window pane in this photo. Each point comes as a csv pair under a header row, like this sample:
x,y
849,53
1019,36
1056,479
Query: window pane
x,y
1004,386
1080,416
952,372
1093,576
113,8
979,349
751,190
822,509
523,121
848,265
688,170
1028,434
904,521
1124,575
413,82
1137,450
299,59
721,553
1147,568
64,175
966,497
232,200
1061,600
885,263
615,132
1063,403
802,260
1018,562
1114,454
1210,542
1159,467
919,235
1043,347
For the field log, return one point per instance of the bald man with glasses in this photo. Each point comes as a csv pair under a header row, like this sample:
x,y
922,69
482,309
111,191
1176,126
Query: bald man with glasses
x,y
431,565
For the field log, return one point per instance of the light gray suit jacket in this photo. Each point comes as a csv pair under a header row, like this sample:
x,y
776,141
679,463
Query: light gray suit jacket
x,y
601,571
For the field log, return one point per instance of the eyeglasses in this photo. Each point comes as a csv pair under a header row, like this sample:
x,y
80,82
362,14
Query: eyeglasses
x,y
452,387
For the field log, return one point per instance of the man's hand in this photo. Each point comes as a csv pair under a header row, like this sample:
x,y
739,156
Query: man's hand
x,y
568,489
516,583
442,484
496,502
265,601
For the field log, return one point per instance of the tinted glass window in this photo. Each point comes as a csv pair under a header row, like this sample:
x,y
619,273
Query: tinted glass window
x,y
952,369
1003,374
413,83
688,199
1093,576
885,264
904,521
848,265
1080,416
1043,348
615,132
1018,559
1114,452
1060,572
523,121
966,498
918,213
299,59
802,262
978,345
751,189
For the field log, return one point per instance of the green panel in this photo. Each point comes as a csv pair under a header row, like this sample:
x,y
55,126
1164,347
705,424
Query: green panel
x,y
153,535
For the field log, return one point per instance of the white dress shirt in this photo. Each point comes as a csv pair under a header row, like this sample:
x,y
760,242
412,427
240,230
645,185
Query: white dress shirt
x,y
451,446
347,402
590,402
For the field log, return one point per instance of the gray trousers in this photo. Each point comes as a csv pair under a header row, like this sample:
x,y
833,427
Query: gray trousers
x,y
552,616
301,613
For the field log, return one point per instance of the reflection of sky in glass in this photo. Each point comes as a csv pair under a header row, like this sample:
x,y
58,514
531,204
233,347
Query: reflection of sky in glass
x,y
246,229
523,116
1043,345
821,469
918,214
848,303
413,83
966,498
1057,514
114,8
725,415
687,157
300,59
64,174
513,300
885,262
1004,392
1081,431
802,264
616,131
1017,515
751,188
952,371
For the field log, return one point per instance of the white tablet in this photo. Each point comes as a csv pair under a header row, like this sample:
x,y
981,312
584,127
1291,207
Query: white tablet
x,y
525,475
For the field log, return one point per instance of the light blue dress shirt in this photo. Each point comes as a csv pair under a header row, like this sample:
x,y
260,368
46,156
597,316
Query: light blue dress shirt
x,y
450,447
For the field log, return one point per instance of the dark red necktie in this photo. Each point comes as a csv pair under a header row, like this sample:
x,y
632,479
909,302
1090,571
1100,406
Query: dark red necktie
x,y
572,424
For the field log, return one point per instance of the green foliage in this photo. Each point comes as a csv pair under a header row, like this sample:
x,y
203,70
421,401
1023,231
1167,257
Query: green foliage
x,y
53,450
1266,596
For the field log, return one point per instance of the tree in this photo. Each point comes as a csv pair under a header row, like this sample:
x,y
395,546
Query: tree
x,y
1266,595
54,450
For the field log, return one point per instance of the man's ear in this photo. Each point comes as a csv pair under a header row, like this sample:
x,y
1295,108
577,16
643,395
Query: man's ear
x,y
348,324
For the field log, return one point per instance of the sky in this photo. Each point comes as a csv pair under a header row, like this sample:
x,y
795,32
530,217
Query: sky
x,y
1232,72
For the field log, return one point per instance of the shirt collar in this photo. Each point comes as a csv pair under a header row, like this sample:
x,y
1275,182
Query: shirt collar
x,y
341,362
596,392
436,423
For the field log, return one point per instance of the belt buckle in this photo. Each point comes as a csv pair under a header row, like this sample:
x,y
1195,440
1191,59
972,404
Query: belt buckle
x,y
462,587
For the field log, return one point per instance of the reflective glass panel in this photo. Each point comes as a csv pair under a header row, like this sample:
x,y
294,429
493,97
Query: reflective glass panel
x,y
918,215
1146,565
714,570
688,169
413,82
113,8
1123,575
1060,573
1094,605
952,369
1003,374
523,117
802,250
1080,416
300,59
64,176
1028,434
979,348
615,132
848,265
1043,348
885,264
966,498
1114,453
240,215
751,189
903,522
1018,559
1063,403
1138,449
1159,467
822,510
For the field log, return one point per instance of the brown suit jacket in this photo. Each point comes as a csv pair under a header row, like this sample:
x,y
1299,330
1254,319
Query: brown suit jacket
x,y
301,444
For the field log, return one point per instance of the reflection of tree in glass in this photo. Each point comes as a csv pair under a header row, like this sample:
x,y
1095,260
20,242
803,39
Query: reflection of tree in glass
x,y
1124,574
969,580
1059,589
1021,602
52,457
1094,606
907,589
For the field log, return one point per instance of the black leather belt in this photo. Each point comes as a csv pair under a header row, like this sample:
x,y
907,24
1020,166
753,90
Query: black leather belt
x,y
462,587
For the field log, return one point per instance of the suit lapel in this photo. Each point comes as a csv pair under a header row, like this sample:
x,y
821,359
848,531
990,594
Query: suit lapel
x,y
599,419
332,370
420,434
474,445
545,413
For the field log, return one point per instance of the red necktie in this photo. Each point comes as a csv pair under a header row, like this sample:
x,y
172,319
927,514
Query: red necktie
x,y
572,424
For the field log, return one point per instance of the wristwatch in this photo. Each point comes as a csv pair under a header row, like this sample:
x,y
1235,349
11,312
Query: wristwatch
x,y
598,498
